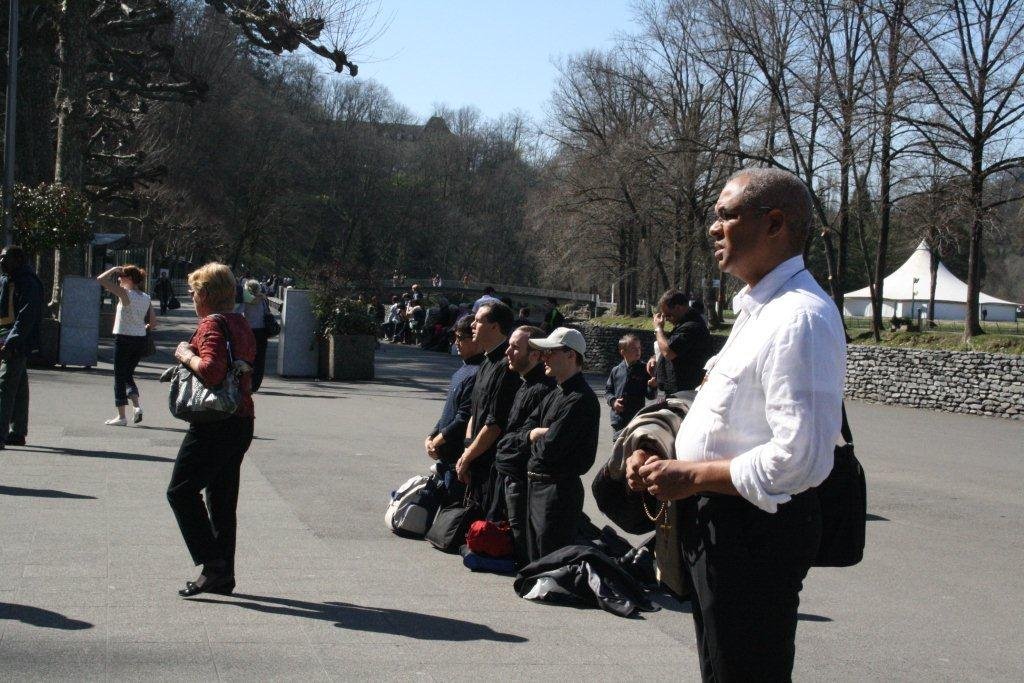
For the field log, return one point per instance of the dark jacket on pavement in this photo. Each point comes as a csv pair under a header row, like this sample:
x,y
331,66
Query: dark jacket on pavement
x,y
628,382
692,343
588,576
24,310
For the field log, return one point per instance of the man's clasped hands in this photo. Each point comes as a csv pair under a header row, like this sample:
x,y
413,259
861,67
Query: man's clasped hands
x,y
675,479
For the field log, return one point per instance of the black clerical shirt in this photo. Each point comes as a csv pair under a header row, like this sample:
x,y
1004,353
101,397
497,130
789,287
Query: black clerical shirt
x,y
691,341
572,414
514,445
493,393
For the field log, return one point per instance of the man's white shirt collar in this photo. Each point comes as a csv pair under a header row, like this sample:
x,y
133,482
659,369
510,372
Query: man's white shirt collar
x,y
751,299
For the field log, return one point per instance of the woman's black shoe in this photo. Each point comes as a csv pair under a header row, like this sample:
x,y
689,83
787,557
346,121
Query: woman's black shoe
x,y
220,585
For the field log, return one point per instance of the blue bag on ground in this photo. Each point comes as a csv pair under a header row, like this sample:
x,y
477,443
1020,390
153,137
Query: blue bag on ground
x,y
481,563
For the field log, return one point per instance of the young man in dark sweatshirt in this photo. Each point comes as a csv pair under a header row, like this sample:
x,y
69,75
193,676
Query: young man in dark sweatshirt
x,y
629,385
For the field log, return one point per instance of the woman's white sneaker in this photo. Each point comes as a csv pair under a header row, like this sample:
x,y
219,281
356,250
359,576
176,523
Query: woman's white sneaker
x,y
138,416
116,422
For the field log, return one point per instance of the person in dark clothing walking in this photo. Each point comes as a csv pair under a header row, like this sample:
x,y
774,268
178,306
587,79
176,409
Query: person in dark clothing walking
x,y
445,441
495,389
628,386
680,365
21,309
163,290
563,435
553,317
513,450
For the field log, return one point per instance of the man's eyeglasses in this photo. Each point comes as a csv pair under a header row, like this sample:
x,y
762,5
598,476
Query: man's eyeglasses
x,y
548,352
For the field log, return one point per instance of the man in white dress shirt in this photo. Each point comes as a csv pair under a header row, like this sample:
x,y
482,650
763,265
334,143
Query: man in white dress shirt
x,y
760,434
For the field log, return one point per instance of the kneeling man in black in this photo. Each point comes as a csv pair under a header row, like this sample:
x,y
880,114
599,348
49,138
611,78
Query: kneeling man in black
x,y
514,446
563,434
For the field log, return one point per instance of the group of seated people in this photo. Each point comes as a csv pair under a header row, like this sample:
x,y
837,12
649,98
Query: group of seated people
x,y
520,427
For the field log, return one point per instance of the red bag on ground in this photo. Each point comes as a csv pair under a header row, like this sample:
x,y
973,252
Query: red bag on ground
x,y
490,539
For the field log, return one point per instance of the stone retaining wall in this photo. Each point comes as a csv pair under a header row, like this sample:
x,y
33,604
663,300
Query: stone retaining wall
x,y
954,381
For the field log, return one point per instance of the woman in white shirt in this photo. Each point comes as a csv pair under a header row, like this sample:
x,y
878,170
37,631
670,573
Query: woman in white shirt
x,y
133,319
254,307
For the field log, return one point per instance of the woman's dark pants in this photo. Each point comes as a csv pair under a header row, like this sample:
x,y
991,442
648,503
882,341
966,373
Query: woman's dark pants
x,y
128,351
210,458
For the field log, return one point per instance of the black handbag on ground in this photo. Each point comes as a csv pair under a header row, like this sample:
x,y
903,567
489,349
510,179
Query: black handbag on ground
x,y
844,508
448,532
173,304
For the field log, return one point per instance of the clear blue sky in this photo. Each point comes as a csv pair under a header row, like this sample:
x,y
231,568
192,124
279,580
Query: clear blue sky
x,y
495,54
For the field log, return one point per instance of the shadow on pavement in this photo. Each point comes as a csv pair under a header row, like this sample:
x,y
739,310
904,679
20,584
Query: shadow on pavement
x,y
875,518
44,618
373,619
113,455
40,493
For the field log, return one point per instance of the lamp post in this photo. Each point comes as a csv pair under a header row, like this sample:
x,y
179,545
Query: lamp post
x,y
913,293
10,116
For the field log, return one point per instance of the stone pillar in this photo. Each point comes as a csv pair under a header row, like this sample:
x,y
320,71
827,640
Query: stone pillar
x,y
296,346
79,321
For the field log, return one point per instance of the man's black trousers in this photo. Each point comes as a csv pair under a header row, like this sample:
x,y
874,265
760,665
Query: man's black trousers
x,y
746,568
210,457
554,509
516,510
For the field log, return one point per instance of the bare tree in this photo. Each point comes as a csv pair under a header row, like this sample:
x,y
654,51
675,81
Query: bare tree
x,y
971,68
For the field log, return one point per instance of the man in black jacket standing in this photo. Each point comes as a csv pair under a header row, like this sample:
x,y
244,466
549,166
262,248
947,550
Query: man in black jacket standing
x,y
21,308
563,434
514,446
680,364
495,389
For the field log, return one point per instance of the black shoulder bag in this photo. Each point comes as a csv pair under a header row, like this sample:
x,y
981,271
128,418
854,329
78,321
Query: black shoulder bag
x,y
844,508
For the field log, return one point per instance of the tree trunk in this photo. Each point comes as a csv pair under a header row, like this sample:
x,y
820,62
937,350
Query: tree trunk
x,y
933,272
69,167
972,325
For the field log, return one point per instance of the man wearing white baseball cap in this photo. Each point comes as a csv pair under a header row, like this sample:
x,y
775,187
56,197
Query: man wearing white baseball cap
x,y
563,435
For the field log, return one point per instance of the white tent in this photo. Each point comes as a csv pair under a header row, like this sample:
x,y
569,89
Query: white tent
x,y
905,292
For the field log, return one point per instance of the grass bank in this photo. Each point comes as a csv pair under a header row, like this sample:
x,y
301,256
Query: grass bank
x,y
944,341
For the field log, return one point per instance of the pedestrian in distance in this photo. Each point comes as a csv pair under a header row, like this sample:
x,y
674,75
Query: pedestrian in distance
x,y
758,437
133,319
255,307
163,290
210,456
553,318
21,309
628,386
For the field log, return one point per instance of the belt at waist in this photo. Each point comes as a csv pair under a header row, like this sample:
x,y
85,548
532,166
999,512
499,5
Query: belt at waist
x,y
548,478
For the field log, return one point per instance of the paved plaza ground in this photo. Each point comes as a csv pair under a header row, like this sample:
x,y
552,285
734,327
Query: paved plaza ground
x,y
91,558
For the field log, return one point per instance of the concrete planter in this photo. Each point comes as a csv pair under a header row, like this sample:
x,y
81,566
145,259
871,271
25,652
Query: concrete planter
x,y
350,356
